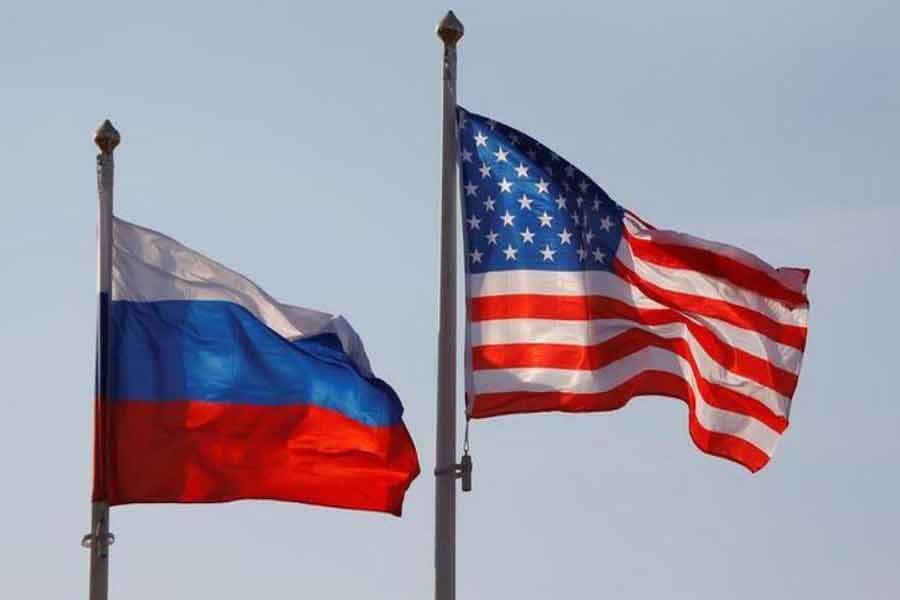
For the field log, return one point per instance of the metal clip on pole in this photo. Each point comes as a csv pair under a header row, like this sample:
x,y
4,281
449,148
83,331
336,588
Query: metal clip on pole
x,y
462,470
102,541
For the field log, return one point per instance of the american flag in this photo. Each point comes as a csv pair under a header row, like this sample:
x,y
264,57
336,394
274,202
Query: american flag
x,y
577,304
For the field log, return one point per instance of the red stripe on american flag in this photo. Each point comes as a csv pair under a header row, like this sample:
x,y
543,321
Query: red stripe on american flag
x,y
584,308
642,222
643,384
591,358
714,265
790,335
734,359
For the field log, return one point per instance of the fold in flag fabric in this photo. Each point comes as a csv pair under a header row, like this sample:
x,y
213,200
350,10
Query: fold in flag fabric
x,y
217,392
576,304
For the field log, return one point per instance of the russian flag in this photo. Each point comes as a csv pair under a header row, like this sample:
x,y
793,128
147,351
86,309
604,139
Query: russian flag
x,y
213,391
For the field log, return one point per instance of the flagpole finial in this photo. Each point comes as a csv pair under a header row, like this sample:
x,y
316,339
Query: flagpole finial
x,y
107,137
450,29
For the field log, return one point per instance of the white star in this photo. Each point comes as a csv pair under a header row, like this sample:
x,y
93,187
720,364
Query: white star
x,y
579,201
596,205
588,236
566,186
545,219
527,236
554,156
606,224
565,237
470,188
548,253
542,186
501,154
507,219
476,255
489,204
492,124
505,186
570,171
466,155
599,255
462,122
480,139
582,253
583,186
522,170
576,218
510,252
492,238
474,222
514,138
560,202
525,202
485,170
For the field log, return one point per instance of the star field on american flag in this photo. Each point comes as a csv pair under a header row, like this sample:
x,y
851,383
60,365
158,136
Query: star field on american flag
x,y
526,207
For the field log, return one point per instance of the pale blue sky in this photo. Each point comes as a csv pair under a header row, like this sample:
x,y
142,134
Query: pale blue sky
x,y
299,144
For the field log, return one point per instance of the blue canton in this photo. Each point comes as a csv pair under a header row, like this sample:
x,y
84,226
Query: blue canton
x,y
528,208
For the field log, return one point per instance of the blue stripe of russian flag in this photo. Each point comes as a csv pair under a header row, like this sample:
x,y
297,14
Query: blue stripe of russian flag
x,y
216,351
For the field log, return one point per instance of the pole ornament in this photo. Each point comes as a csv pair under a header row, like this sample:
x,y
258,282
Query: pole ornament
x,y
450,29
107,137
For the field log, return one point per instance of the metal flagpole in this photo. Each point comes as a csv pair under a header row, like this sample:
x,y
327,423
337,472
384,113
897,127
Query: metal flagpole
x,y
99,539
450,30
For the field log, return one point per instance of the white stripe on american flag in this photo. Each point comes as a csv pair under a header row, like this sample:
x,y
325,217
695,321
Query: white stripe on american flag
x,y
794,279
523,325
609,285
590,333
587,333
699,284
711,418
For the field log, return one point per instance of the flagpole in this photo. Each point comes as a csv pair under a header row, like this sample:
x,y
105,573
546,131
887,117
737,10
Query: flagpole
x,y
450,30
99,539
